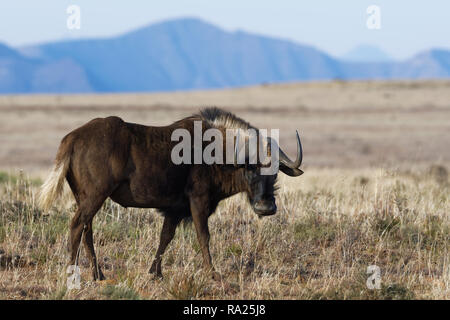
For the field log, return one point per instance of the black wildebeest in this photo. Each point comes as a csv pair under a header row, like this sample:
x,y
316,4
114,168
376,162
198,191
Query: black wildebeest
x,y
131,164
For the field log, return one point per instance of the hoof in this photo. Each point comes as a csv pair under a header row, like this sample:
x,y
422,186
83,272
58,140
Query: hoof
x,y
156,272
99,276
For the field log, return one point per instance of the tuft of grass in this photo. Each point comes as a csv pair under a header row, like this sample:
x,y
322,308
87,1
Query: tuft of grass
x,y
314,229
395,291
2,233
362,181
186,286
7,178
119,292
233,250
439,173
58,294
385,225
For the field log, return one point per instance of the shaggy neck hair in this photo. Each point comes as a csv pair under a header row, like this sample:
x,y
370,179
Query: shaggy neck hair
x,y
221,119
230,181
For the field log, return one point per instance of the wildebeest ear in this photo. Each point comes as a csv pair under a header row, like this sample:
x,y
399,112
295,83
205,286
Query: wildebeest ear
x,y
290,171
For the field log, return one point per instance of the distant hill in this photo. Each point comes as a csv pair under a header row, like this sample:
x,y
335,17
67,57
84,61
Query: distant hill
x,y
366,53
21,74
188,54
14,71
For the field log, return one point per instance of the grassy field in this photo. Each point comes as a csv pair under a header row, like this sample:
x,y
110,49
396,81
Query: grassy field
x,y
318,246
375,192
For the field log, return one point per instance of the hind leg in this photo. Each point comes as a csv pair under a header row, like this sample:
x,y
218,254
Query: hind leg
x,y
81,225
97,273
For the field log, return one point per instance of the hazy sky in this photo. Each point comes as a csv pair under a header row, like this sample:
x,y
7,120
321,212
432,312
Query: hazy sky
x,y
334,26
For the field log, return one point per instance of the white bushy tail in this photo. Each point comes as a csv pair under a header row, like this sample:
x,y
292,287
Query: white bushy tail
x,y
54,184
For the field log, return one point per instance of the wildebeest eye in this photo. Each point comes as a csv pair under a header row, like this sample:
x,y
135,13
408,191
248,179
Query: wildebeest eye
x,y
251,173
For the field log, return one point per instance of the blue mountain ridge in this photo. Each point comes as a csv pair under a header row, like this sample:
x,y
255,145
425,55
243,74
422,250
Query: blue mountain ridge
x,y
187,54
366,53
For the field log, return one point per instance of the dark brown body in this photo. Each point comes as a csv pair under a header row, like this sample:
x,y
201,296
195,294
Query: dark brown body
x,y
131,164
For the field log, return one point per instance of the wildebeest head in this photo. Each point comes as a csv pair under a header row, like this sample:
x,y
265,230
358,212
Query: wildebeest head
x,y
261,187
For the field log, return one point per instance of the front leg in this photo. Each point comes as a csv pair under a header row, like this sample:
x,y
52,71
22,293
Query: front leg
x,y
167,233
200,214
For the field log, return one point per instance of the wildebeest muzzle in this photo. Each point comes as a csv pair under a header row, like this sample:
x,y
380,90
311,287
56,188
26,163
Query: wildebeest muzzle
x,y
265,208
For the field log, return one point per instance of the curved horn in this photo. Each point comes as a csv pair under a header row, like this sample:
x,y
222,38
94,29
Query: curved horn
x,y
284,159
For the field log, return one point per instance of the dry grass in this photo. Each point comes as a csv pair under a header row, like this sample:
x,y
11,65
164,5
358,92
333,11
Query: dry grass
x,y
331,225
375,192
